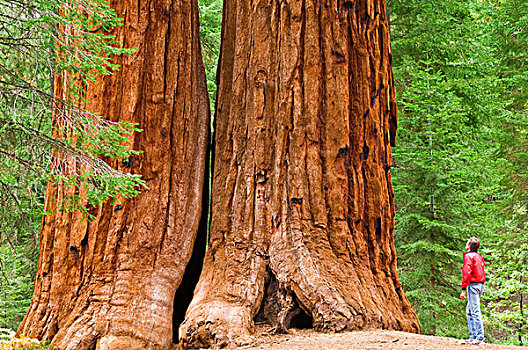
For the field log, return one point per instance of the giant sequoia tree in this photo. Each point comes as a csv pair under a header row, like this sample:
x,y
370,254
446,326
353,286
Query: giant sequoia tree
x,y
302,201
303,208
110,283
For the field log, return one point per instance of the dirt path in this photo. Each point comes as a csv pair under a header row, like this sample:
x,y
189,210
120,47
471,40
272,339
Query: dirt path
x,y
308,339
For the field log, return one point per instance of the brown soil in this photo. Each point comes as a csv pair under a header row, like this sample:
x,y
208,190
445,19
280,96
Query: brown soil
x,y
308,339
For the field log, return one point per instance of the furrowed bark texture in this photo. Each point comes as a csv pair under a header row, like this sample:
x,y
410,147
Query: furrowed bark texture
x,y
306,117
111,283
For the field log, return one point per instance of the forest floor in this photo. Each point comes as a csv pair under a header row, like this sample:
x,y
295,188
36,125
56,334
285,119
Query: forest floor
x,y
308,339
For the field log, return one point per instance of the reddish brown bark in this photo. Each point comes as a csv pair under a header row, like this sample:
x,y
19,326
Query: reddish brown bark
x,y
302,189
111,283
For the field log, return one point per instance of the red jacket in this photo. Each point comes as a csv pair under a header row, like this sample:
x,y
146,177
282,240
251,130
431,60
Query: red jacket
x,y
473,269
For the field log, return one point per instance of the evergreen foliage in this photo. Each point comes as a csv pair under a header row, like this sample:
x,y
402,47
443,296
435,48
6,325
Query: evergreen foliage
x,y
509,264
453,164
210,35
442,162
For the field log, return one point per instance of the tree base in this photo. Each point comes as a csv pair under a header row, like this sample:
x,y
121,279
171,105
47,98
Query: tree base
x,y
217,324
322,301
281,310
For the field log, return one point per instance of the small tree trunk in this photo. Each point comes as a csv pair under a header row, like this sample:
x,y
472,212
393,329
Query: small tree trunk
x,y
302,187
111,283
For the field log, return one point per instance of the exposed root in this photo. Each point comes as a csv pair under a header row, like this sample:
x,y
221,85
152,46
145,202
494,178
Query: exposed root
x,y
216,324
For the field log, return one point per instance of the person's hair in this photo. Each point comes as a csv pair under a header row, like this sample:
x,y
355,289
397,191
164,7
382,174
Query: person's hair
x,y
473,244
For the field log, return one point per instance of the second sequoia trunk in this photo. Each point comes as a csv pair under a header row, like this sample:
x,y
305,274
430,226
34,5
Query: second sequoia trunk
x,y
112,283
302,191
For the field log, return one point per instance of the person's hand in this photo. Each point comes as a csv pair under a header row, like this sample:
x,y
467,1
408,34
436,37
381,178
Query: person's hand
x,y
463,295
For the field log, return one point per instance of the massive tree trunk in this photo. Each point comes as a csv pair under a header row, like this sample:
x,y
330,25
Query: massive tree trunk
x,y
302,192
111,283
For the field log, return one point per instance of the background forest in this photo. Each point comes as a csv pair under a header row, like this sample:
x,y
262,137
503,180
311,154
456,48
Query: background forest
x,y
461,73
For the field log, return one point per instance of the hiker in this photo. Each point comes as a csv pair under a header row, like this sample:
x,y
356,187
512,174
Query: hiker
x,y
473,278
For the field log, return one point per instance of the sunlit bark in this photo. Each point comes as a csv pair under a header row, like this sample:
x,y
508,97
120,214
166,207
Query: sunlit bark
x,y
302,191
111,283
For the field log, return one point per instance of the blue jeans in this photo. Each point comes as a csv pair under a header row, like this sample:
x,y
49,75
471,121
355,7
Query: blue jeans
x,y
474,317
